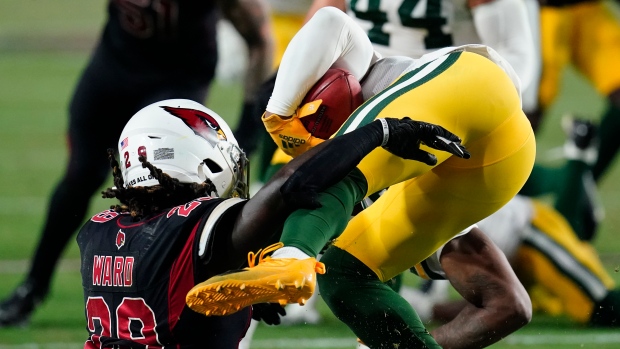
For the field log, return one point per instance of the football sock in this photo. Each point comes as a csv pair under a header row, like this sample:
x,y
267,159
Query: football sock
x,y
372,309
609,142
290,252
311,230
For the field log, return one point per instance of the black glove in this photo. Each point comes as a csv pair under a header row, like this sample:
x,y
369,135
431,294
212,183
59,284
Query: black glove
x,y
402,137
269,313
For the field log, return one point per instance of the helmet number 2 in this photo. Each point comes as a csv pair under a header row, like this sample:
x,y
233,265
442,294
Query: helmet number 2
x,y
127,162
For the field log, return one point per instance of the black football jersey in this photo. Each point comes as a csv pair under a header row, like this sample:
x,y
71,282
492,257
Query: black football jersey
x,y
170,35
136,276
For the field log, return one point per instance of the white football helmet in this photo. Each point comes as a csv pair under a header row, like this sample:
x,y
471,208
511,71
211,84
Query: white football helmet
x,y
187,141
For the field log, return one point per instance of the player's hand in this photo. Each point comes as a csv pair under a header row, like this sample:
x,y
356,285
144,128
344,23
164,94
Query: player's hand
x,y
404,137
269,313
290,134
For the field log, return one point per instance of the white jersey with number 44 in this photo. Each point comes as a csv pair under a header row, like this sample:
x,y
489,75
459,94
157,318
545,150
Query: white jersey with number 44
x,y
414,27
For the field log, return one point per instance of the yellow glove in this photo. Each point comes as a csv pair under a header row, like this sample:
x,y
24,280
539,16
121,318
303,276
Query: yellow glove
x,y
290,134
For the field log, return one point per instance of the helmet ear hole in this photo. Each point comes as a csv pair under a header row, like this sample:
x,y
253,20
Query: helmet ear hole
x,y
213,166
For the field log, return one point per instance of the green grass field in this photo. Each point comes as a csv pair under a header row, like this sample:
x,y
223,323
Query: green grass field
x,y
44,45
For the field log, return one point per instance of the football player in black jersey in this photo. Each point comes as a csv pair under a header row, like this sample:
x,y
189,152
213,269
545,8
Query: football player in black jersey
x,y
149,50
183,217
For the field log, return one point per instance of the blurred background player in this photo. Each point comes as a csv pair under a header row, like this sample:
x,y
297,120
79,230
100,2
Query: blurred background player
x,y
148,51
571,184
562,274
585,34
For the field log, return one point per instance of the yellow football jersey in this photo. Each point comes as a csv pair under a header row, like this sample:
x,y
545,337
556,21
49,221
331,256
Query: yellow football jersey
x,y
585,34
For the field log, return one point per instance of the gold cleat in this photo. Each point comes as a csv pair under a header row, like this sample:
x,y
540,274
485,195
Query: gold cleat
x,y
279,280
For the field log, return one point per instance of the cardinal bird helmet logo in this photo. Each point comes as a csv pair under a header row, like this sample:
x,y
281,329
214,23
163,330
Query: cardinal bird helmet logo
x,y
200,122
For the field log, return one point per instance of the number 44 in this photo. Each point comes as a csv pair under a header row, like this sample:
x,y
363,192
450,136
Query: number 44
x,y
432,22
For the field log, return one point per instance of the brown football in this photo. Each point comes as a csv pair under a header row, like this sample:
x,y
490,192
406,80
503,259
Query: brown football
x,y
341,94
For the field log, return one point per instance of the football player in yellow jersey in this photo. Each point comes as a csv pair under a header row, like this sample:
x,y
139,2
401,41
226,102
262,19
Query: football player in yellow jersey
x,y
471,91
586,34
563,275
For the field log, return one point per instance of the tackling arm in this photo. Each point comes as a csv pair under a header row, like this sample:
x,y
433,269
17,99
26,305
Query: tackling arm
x,y
329,162
497,303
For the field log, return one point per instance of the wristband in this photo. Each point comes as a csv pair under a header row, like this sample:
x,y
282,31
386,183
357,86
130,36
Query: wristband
x,y
386,131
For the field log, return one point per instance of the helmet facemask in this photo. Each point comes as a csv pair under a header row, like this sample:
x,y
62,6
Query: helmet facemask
x,y
238,165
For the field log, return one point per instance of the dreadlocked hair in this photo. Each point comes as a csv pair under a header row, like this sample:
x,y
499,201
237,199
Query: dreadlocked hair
x,y
143,201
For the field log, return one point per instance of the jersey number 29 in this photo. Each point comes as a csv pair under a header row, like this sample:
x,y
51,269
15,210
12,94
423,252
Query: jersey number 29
x,y
135,321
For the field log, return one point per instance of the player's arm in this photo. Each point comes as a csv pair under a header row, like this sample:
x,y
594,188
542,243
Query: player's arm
x,y
265,213
503,25
251,19
317,4
497,303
